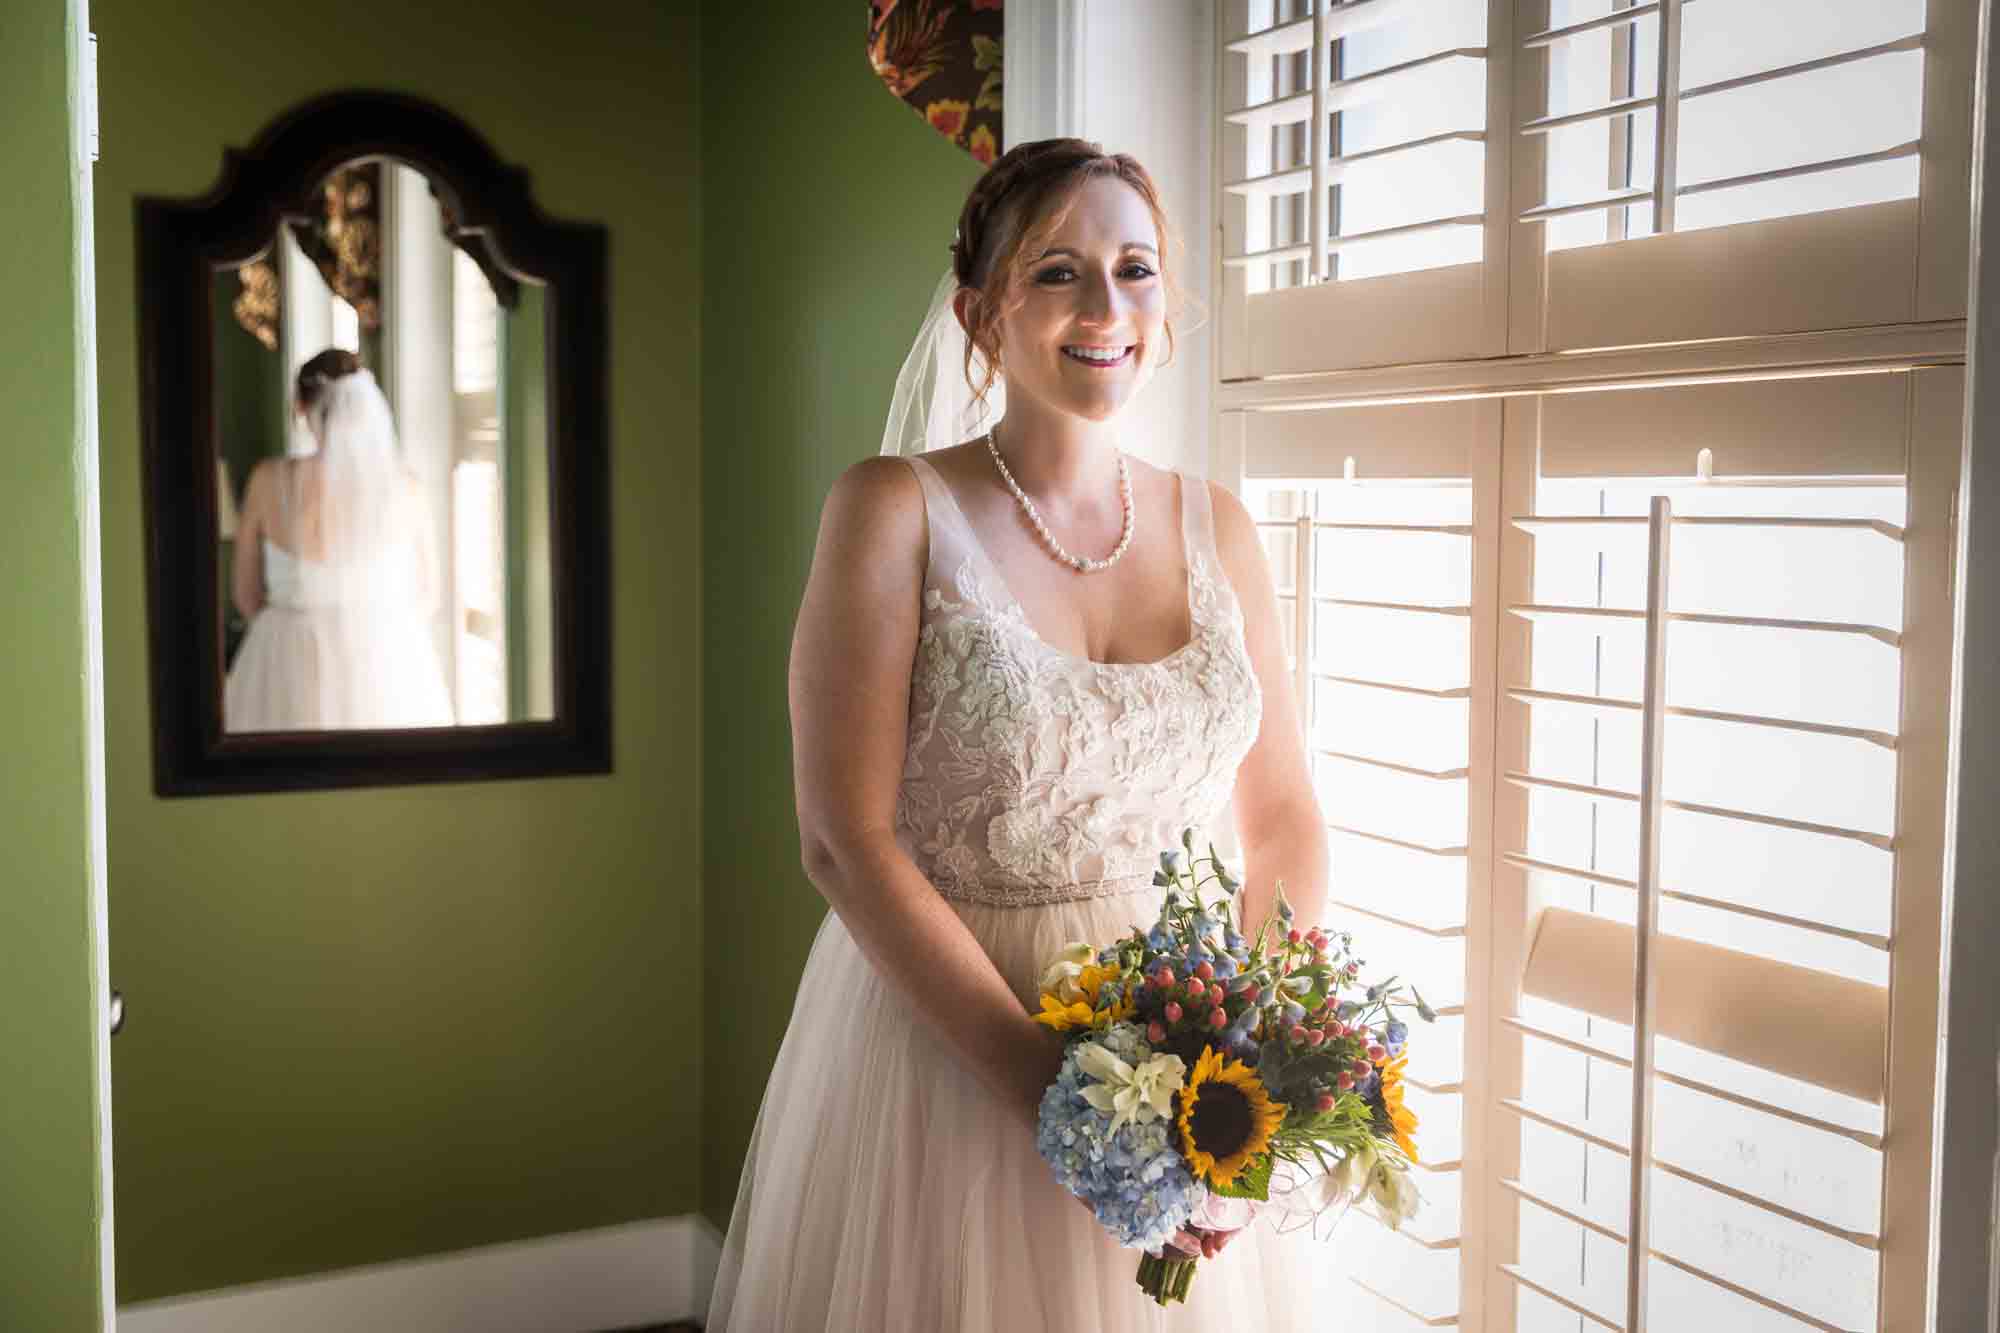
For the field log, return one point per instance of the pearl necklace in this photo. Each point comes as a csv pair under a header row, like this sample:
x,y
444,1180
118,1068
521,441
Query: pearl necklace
x,y
1076,562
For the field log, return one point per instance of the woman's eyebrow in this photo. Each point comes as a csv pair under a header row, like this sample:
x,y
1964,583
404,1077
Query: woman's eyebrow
x,y
1065,250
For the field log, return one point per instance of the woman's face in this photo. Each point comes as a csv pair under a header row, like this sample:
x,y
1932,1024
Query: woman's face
x,y
1091,325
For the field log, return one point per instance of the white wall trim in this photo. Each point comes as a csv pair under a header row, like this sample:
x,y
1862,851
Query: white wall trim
x,y
1043,53
610,1278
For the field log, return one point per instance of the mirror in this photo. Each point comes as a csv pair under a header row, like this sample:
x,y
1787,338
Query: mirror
x,y
381,431
375,464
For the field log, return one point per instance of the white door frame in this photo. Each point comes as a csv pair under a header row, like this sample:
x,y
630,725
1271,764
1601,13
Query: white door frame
x,y
84,148
1966,1187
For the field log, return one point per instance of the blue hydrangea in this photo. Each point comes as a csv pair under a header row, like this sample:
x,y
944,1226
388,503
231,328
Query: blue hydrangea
x,y
1134,1181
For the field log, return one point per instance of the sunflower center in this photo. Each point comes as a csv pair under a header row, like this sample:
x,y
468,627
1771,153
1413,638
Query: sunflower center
x,y
1220,1122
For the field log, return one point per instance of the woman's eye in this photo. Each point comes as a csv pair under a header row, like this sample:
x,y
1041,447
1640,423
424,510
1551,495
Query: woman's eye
x,y
1054,276
1136,270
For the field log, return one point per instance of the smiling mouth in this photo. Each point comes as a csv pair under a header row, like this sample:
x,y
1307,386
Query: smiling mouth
x,y
1100,358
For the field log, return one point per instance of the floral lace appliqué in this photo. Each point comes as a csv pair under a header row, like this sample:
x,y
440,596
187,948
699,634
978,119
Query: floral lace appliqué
x,y
1033,776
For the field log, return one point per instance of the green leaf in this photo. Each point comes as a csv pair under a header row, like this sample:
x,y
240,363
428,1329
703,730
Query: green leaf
x,y
986,53
1252,1183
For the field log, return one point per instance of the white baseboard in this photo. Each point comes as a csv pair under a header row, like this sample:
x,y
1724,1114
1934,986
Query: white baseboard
x,y
610,1278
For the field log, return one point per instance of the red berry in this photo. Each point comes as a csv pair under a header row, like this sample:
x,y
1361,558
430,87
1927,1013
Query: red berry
x,y
1294,936
1155,1033
1336,1029
1314,1036
1217,1018
1204,969
1298,1034
1165,978
1378,1053
1251,992
1346,1081
1361,1068
1173,1012
1324,1103
1215,992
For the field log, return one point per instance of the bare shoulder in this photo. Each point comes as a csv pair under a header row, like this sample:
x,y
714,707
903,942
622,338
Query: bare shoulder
x,y
257,490
874,511
876,493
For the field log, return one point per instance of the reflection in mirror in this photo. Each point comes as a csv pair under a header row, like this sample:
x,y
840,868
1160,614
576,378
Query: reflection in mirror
x,y
382,447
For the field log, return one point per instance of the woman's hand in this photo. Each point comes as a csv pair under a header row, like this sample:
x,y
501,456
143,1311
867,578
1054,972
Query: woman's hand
x,y
1200,1242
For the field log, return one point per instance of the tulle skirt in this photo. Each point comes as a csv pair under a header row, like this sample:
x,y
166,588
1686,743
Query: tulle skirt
x,y
886,1189
329,668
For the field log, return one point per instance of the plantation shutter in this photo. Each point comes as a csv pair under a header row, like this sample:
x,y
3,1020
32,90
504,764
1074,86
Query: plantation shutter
x,y
1454,456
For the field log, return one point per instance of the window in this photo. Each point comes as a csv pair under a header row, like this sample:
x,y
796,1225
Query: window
x,y
1452,436
479,594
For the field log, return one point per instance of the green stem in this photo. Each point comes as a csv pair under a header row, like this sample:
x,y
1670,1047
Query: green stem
x,y
1165,1280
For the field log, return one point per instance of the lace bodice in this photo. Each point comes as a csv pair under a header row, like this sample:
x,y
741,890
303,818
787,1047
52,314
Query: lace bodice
x,y
1034,776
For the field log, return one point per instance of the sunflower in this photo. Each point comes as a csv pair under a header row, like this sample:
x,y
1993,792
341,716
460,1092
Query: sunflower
x,y
1402,1120
1226,1119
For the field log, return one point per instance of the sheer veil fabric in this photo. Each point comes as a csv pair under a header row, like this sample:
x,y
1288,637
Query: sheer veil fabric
x,y
933,406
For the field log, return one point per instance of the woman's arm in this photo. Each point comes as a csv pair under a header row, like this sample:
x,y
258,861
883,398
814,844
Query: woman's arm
x,y
852,654
246,574
1277,815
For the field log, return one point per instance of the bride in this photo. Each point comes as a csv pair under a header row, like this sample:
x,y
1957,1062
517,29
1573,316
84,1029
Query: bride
x,y
1023,663
335,574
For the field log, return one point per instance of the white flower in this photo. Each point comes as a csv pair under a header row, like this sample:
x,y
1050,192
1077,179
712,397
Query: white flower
x,y
1392,1194
1059,979
1351,1177
1133,1096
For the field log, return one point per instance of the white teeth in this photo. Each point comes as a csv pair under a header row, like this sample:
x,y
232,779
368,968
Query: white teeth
x,y
1100,355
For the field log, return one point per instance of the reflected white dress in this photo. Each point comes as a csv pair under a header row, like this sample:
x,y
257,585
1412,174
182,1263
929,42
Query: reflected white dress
x,y
331,651
885,1188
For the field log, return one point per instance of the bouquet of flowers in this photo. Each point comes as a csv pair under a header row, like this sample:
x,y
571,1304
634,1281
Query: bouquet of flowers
x,y
1206,1075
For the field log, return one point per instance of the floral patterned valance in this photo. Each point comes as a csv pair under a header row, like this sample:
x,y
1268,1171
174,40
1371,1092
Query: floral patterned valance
x,y
943,57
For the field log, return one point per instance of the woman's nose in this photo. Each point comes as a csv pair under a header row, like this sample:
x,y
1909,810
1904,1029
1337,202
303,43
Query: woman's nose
x,y
1103,304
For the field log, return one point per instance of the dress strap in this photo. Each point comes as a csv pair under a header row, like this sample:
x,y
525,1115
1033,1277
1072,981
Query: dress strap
x,y
1197,518
952,540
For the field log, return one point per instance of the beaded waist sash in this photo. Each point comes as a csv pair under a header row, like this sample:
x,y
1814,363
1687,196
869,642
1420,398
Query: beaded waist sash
x,y
1003,894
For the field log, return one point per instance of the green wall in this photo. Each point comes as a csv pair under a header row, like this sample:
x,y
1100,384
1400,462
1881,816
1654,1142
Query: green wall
x,y
375,1024
829,206
49,1203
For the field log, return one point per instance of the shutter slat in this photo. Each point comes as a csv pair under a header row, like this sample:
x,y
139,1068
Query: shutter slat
x,y
1859,1239
1870,939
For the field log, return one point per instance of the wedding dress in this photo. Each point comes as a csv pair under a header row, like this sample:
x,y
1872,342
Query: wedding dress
x,y
885,1188
315,659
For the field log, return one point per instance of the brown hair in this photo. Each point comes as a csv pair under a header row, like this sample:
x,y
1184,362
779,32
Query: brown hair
x,y
1017,205
332,364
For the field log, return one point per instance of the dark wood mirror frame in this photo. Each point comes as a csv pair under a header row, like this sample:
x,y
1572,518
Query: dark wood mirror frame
x,y
180,245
